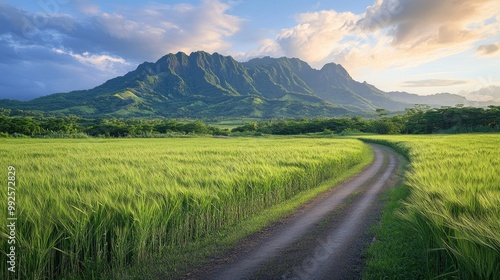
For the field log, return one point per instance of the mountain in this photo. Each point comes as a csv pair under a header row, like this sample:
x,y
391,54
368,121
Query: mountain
x,y
439,99
435,100
332,84
211,85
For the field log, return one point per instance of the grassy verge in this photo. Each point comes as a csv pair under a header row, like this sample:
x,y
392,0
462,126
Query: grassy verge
x,y
453,206
397,252
177,261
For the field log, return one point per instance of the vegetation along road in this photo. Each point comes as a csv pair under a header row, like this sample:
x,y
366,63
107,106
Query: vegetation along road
x,y
324,239
154,208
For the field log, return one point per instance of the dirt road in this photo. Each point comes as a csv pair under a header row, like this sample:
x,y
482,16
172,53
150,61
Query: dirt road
x,y
324,239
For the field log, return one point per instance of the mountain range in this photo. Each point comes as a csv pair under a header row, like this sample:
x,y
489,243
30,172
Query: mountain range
x,y
212,85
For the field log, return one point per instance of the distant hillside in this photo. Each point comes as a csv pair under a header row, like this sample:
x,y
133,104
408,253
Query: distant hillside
x,y
440,99
211,85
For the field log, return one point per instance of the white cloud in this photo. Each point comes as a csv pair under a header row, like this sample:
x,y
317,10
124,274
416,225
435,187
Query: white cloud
x,y
158,29
266,47
489,93
102,62
318,35
391,33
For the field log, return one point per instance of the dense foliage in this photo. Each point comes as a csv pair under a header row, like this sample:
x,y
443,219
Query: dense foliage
x,y
418,120
25,123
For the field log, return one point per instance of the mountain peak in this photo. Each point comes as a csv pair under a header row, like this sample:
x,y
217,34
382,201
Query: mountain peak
x,y
335,69
212,85
267,60
171,62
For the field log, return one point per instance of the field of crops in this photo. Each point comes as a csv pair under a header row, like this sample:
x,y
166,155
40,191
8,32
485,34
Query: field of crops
x,y
87,206
454,203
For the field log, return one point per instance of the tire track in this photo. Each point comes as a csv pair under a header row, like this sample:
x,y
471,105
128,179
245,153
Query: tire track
x,y
327,260
323,260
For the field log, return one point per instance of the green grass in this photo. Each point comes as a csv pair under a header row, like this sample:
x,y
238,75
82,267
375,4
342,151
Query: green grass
x,y
231,123
181,259
93,208
397,252
453,205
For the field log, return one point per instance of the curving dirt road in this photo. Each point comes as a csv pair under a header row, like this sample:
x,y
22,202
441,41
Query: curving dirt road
x,y
324,239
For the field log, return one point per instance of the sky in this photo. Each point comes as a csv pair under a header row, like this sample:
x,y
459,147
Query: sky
x,y
417,46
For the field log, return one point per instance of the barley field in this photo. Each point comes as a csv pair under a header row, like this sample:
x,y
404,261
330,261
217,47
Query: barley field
x,y
454,201
92,205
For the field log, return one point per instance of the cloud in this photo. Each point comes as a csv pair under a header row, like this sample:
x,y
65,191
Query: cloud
x,y
141,33
426,21
317,35
434,83
51,73
69,47
391,33
490,93
86,7
103,62
29,71
266,47
157,29
33,27
489,50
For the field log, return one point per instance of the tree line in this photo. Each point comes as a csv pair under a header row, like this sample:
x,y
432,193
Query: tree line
x,y
418,120
25,123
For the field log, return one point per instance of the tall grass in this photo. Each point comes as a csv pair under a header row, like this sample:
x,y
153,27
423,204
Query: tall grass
x,y
90,206
454,203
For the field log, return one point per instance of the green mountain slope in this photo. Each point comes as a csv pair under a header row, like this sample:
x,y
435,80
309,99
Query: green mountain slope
x,y
211,85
